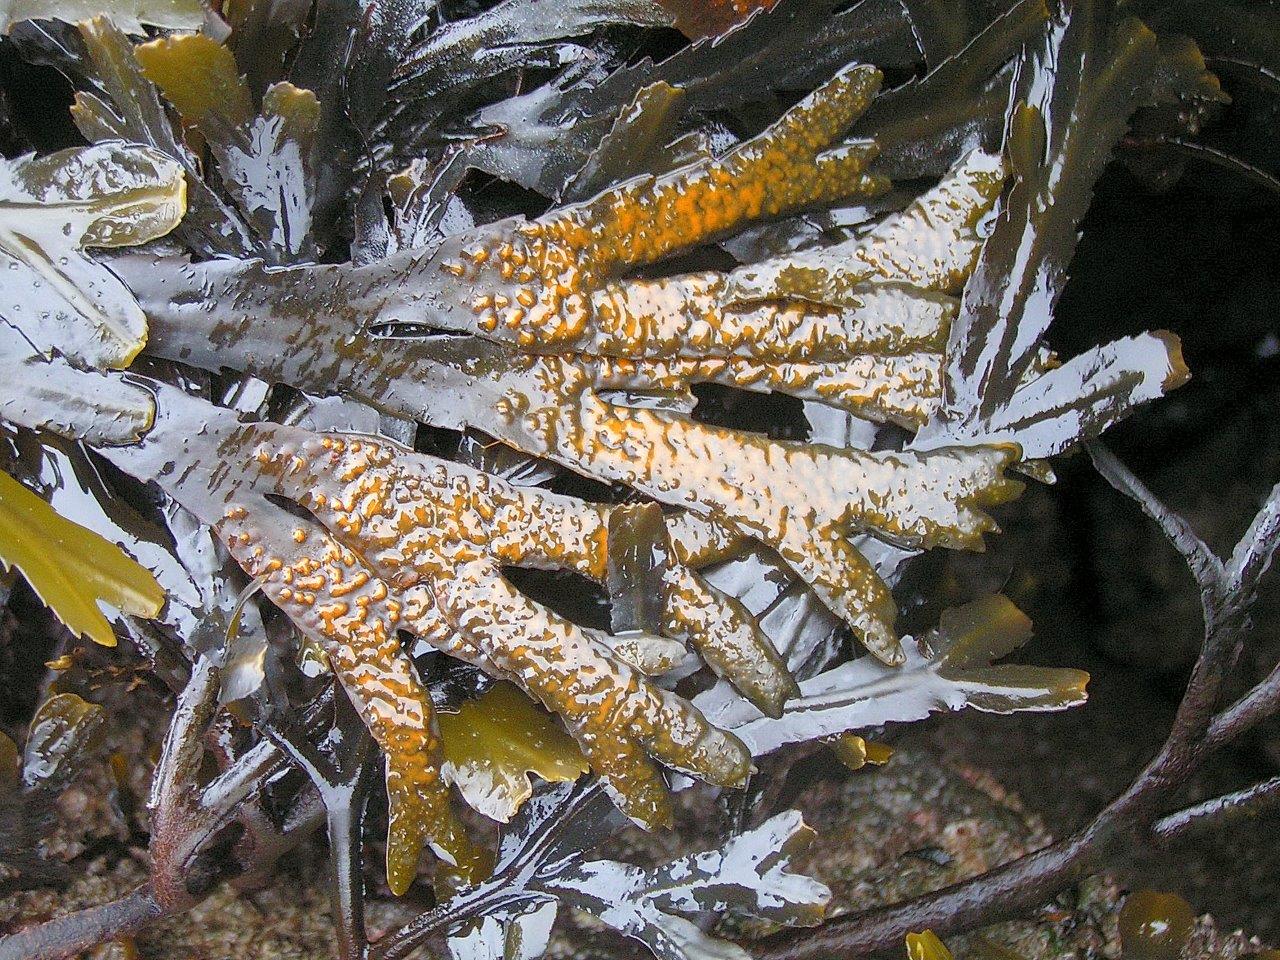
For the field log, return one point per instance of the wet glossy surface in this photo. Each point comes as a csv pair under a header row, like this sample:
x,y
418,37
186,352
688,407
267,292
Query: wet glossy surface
x,y
51,207
131,15
492,745
861,340
1074,93
401,541
1155,926
746,877
538,332
926,946
70,567
63,732
548,341
949,668
265,160
674,260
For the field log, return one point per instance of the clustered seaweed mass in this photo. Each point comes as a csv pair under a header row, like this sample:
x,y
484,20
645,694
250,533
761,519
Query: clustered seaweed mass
x,y
355,299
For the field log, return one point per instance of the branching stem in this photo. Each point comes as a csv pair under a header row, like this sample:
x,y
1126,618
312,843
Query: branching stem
x,y
185,818
74,933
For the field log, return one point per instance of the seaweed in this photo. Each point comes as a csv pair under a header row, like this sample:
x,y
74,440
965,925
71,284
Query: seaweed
x,y
748,876
266,161
541,866
619,337
1071,100
950,668
926,946
927,124
492,745
711,19
434,310
63,736
129,16
334,575
548,134
71,568
53,395
122,104
51,208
